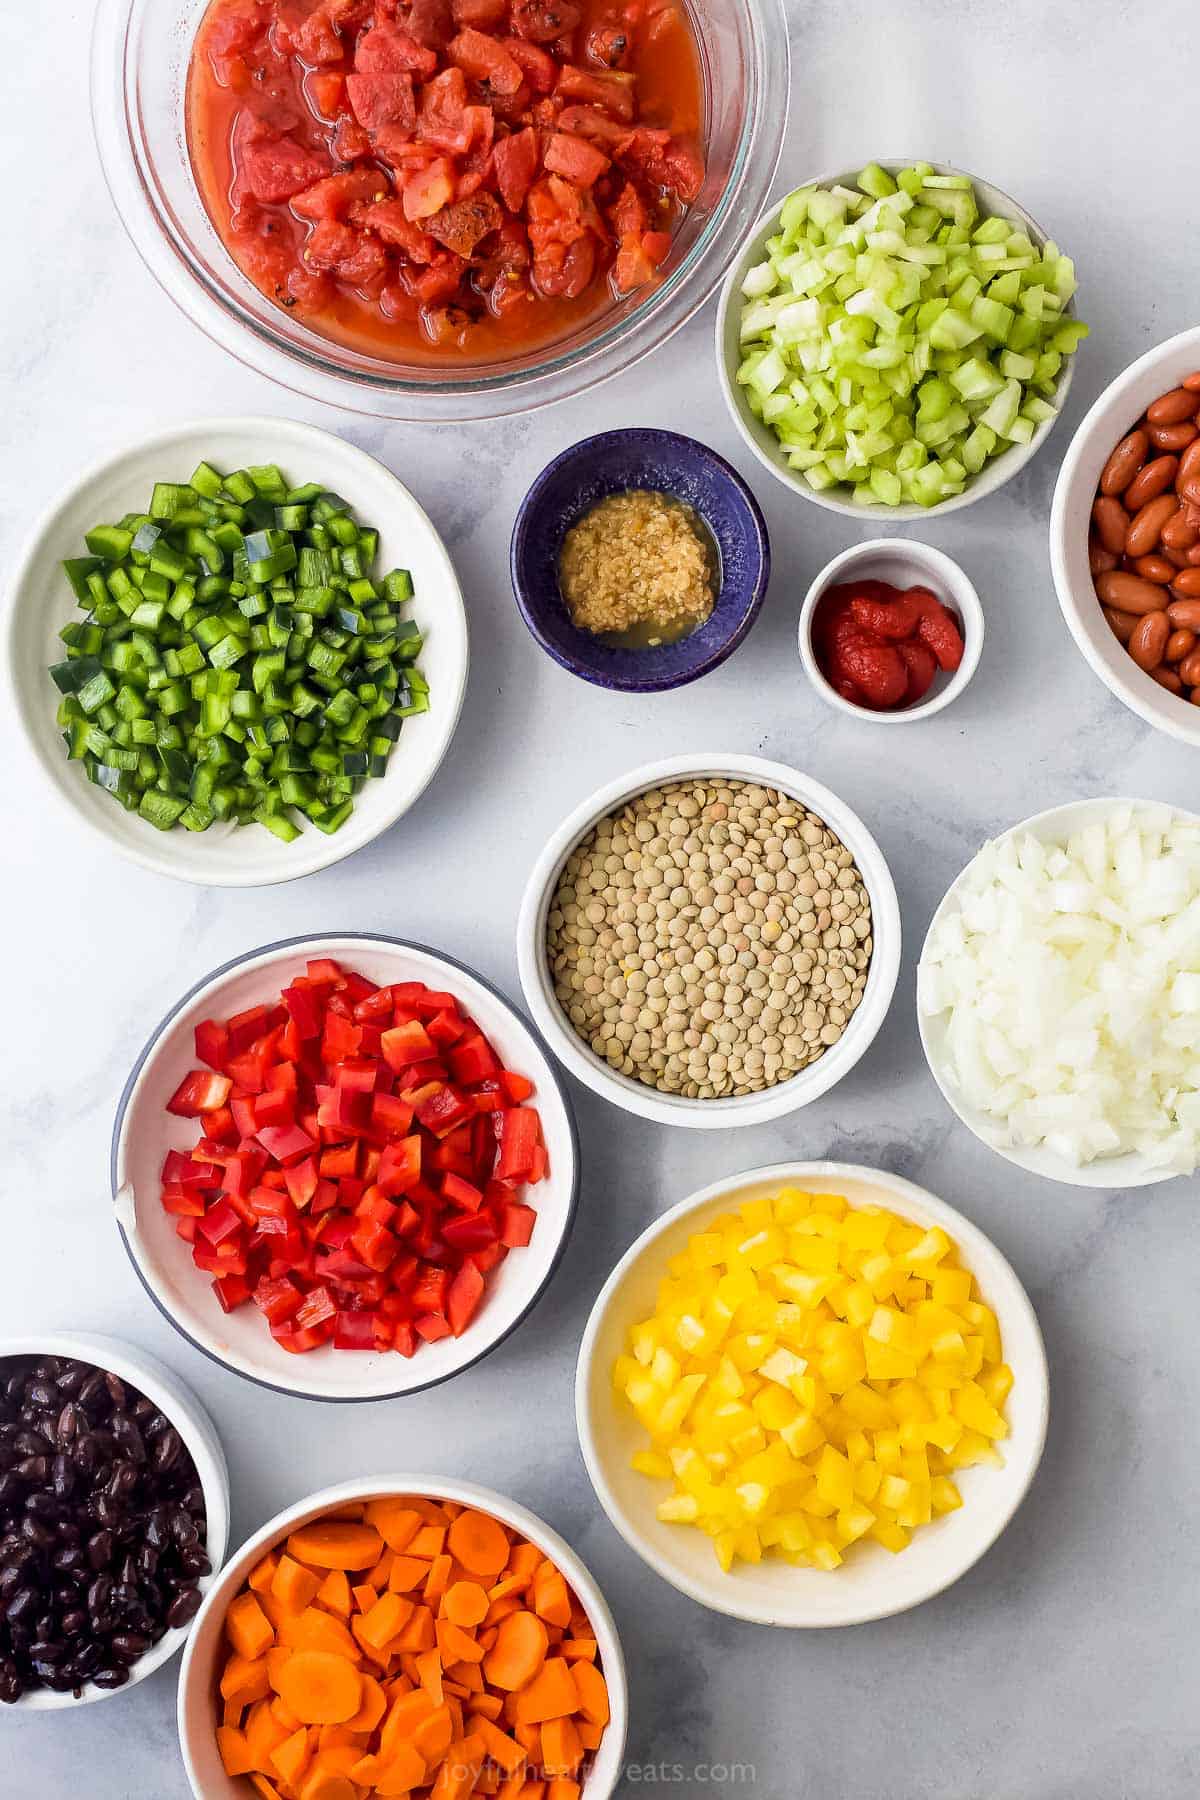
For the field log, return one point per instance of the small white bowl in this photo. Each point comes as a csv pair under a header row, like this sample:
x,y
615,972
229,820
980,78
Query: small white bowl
x,y
144,1131
1114,414
677,1109
40,602
199,1675
904,563
1054,826
159,1384
762,440
872,1583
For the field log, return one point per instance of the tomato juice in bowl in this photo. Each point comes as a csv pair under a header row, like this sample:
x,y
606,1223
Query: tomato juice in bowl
x,y
446,178
142,55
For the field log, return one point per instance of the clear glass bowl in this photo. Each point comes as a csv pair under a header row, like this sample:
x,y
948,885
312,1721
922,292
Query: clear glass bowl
x,y
140,51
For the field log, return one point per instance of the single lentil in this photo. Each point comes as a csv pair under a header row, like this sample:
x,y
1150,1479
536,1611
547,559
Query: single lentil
x,y
736,1005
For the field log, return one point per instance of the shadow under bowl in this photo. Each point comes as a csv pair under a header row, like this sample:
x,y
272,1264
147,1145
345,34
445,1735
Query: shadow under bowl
x,y
616,462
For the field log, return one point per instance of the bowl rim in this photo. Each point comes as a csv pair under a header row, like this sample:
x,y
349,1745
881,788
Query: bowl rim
x,y
481,395
433,1487
173,1397
747,1109
994,475
274,949
1153,704
606,445
323,852
1114,1173
962,594
896,1191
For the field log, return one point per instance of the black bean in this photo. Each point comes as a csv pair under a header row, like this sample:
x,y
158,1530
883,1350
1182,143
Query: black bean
x,y
32,1468
11,1685
111,1677
183,1608
23,1605
32,1443
41,1392
127,1646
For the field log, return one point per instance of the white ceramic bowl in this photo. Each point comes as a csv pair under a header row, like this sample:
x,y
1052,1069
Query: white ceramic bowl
x,y
1114,413
1052,827
871,1583
199,1674
676,1109
904,563
40,602
144,1132
763,442
159,1384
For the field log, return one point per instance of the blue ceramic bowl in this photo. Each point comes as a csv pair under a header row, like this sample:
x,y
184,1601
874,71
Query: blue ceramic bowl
x,y
610,464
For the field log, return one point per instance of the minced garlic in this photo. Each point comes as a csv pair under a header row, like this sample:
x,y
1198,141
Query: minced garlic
x,y
638,565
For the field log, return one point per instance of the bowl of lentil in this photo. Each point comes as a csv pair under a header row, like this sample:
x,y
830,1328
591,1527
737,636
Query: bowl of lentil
x,y
679,949
639,560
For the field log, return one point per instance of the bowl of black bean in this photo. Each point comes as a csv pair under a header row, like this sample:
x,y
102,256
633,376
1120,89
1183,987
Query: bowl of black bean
x,y
114,1517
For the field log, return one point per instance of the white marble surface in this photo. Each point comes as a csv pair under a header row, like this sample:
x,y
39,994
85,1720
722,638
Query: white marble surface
x,y
1067,1661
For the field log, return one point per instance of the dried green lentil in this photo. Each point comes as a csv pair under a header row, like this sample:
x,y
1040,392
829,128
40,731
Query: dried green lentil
x,y
712,938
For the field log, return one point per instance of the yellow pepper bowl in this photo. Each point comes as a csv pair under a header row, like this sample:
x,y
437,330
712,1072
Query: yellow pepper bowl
x,y
845,1419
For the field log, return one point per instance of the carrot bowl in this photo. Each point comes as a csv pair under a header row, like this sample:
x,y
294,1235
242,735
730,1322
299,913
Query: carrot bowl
x,y
289,1638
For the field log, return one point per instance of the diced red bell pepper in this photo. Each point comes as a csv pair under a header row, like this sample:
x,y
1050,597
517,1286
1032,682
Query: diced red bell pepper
x,y
219,1223
517,1087
317,1309
399,1165
342,1159
232,1291
474,1060
517,1225
469,1231
286,1143
183,1203
460,1193
391,1115
277,1300
431,1327
356,1331
462,1301
440,1108
212,1043
304,1009
520,1135
340,1038
302,1180
275,1106
404,1045
200,1092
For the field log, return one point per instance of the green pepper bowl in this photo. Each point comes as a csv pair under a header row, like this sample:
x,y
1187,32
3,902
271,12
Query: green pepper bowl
x,y
40,602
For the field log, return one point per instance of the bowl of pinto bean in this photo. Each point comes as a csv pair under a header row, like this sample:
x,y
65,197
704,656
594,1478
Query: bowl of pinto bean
x,y
1125,537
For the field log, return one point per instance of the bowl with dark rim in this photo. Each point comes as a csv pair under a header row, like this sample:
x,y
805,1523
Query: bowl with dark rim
x,y
664,462
144,1131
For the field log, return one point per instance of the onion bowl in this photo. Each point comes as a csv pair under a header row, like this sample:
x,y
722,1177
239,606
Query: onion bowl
x,y
198,1712
678,1109
40,603
872,1583
162,1386
144,1131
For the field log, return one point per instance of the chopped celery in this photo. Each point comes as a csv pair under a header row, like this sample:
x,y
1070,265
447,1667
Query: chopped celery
x,y
894,340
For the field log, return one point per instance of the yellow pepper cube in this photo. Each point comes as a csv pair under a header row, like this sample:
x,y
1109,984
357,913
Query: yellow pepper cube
x,y
944,1495
952,1287
835,1478
854,1522
790,1204
705,1250
652,1463
867,1479
997,1383
803,1435
679,1509
893,1537
976,1411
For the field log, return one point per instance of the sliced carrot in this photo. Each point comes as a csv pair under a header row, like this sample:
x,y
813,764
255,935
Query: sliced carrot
x,y
264,1734
500,1609
429,1674
263,1573
563,1788
550,1695
248,1628
577,1649
523,1563
236,1754
378,1576
320,1689
551,1601
562,1751
530,1739
467,1675
334,1593
328,1784
404,1770
405,1715
507,1584
428,1542
418,1633
395,1520
465,1604
488,1780
231,1714
384,1617
245,1680
519,1652
456,1777
589,1735
489,1705
371,1708
480,1543
433,1736
315,1629
503,1750
407,1573
266,1788
533,1790
455,1644
365,1595
292,1756
336,1544
592,1691
338,1737
294,1586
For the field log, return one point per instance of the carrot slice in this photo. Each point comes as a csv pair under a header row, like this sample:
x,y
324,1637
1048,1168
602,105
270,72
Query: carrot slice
x,y
418,1634
550,1695
266,1788
429,1673
592,1691
438,1579
466,1604
245,1680
518,1653
551,1601
320,1689
404,1770
562,1751
407,1573
563,1788
371,1708
395,1520
503,1750
434,1734
428,1542
524,1563
236,1754
314,1629
457,1645
364,1595
479,1543
580,1648
263,1573
336,1544
456,1777
292,1757
590,1735
294,1586
334,1593
248,1627
409,1711
490,1705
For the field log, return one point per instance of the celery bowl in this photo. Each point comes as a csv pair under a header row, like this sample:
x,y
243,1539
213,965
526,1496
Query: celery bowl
x,y
860,500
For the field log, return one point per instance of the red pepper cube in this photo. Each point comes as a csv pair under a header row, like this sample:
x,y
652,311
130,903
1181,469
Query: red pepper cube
x,y
356,1331
462,1301
341,1038
275,1107
520,1136
517,1223
431,1326
219,1223
399,1165
324,972
231,1291
405,1045
212,1043
469,1231
302,1181
474,1060
200,1092
460,1193
375,1246
183,1203
286,1143
304,1009
277,1299
517,1087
